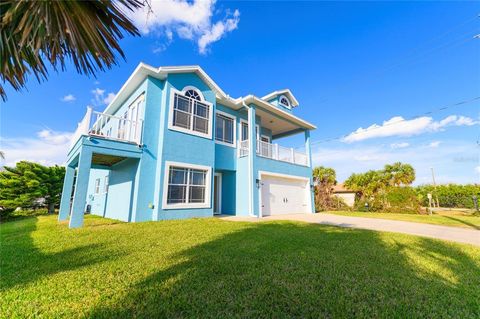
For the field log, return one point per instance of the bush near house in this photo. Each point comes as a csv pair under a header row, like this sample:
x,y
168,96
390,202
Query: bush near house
x,y
385,190
30,185
451,195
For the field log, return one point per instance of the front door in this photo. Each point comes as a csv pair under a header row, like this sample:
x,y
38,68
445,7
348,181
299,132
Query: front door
x,y
217,193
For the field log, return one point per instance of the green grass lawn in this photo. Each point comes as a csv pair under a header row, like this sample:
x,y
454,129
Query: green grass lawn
x,y
213,268
446,218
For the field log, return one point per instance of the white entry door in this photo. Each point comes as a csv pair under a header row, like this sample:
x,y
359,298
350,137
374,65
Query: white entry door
x,y
284,196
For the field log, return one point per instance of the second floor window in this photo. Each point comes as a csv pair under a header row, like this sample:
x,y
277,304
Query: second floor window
x,y
224,128
191,114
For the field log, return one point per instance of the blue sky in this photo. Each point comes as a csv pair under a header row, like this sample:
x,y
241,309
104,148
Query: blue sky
x,y
351,65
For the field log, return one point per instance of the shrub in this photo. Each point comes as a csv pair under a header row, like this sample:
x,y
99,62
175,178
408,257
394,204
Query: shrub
x,y
451,195
401,200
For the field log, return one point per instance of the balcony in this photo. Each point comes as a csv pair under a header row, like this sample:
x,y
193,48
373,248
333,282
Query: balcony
x,y
275,152
108,127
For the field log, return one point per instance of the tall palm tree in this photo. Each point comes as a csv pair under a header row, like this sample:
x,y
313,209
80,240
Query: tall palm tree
x,y
36,33
399,173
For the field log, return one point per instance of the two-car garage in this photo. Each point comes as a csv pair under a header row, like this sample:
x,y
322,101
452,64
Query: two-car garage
x,y
284,194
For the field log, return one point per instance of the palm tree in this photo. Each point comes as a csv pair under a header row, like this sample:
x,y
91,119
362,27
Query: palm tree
x,y
325,179
399,173
36,33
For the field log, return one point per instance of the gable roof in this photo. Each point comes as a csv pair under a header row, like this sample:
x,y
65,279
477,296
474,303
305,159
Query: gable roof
x,y
143,70
285,92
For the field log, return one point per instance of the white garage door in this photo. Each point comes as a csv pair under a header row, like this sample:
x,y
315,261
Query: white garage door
x,y
284,196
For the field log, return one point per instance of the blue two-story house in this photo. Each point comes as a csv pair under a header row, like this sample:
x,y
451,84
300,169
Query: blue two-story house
x,y
173,145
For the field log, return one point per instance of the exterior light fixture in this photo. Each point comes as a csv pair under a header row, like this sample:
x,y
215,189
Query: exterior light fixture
x,y
257,181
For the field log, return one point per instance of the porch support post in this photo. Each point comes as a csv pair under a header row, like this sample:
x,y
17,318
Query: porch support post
x,y
252,154
81,188
66,193
308,149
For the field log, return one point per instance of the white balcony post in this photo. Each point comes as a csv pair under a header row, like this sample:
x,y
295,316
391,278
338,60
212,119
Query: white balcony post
x,y
292,155
308,148
277,157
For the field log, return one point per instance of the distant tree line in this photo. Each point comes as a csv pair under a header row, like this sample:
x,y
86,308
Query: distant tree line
x,y
389,190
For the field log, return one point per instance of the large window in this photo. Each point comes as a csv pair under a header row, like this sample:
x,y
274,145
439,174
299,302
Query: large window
x,y
189,114
225,128
187,186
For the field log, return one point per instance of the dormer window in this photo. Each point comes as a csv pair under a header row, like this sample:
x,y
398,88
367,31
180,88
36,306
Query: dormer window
x,y
284,101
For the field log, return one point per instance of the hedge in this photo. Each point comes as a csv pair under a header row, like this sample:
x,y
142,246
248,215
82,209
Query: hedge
x,y
451,195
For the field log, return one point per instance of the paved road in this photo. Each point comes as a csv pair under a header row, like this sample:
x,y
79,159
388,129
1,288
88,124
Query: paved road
x,y
457,234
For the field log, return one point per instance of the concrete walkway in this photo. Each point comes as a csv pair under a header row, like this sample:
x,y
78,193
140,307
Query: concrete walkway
x,y
457,234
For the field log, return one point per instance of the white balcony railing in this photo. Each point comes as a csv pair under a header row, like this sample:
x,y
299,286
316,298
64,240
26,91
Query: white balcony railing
x,y
109,127
275,152
116,128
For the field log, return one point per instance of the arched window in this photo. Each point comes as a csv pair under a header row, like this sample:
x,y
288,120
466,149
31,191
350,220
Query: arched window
x,y
193,93
284,101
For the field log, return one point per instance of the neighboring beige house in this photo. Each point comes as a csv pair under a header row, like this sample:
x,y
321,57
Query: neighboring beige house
x,y
347,195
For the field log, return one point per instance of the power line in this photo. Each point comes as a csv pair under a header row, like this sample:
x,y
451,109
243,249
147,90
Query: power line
x,y
464,102
416,53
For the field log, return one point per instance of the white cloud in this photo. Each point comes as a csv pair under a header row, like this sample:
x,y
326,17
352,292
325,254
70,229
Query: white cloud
x,y
398,126
477,169
48,148
109,98
192,20
399,145
99,97
217,31
68,98
434,144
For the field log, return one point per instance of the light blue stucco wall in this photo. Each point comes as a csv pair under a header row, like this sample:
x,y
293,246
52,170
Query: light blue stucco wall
x,y
97,201
121,190
185,148
275,101
137,185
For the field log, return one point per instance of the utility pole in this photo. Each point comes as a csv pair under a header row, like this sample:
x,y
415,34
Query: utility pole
x,y
435,187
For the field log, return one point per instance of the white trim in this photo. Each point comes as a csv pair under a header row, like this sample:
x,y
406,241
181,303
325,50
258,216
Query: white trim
x,y
294,177
208,186
289,106
191,87
246,122
293,101
219,196
234,118
268,138
96,190
184,130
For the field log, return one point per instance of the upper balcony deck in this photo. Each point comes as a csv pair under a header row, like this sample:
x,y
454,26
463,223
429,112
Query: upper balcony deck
x,y
109,127
275,152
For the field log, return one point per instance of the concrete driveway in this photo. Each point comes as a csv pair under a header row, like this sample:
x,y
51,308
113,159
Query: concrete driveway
x,y
456,234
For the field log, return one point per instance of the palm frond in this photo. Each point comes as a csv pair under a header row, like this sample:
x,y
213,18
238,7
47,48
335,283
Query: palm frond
x,y
34,34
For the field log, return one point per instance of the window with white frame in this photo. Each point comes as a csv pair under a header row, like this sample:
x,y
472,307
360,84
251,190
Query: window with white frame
x,y
225,128
105,185
189,113
186,185
244,130
97,186
285,101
